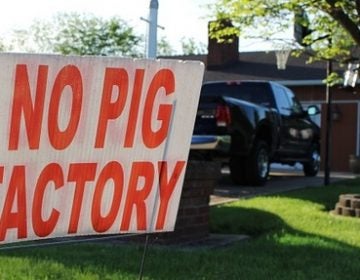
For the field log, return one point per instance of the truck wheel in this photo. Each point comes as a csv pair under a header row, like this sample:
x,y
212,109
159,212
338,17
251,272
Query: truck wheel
x,y
237,170
311,167
257,165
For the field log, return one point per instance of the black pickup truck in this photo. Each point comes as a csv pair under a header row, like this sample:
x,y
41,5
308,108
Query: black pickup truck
x,y
250,124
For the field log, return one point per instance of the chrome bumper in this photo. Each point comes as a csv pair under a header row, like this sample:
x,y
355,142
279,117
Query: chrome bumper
x,y
211,142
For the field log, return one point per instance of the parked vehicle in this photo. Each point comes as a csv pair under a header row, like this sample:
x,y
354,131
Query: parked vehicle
x,y
250,124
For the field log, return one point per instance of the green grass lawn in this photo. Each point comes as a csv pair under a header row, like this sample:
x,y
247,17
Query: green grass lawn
x,y
293,236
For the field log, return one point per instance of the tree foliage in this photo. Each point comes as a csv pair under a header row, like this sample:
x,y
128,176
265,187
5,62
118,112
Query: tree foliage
x,y
2,45
79,34
329,28
83,34
164,48
190,47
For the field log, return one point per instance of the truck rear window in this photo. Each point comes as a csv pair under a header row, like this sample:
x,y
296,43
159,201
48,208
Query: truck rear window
x,y
257,93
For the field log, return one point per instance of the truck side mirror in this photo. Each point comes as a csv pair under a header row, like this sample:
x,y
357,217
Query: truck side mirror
x,y
313,110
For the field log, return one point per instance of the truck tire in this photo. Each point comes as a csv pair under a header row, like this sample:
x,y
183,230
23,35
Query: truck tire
x,y
311,168
237,170
258,164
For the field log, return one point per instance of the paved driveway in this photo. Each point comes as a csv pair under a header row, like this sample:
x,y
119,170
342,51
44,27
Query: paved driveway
x,y
280,180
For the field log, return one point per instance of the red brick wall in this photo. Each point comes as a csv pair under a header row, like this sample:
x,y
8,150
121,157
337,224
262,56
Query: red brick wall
x,y
222,54
343,135
344,129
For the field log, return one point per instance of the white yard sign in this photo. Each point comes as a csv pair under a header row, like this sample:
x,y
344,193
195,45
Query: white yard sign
x,y
93,145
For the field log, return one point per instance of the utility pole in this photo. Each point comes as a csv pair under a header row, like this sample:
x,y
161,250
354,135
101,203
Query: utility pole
x,y
152,34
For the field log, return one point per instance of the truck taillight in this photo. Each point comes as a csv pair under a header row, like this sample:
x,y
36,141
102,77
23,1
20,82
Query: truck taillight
x,y
223,117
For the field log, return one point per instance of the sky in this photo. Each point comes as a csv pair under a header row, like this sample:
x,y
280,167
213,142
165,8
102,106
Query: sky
x,y
180,19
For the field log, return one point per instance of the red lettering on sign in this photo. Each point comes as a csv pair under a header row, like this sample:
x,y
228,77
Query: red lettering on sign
x,y
68,76
51,173
166,189
134,108
136,197
114,77
112,171
33,111
16,192
51,178
22,103
162,79
80,173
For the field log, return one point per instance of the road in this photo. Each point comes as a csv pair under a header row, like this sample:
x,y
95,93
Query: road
x,y
280,180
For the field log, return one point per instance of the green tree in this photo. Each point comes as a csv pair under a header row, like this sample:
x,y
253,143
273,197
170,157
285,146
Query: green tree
x,y
79,34
328,28
2,45
164,48
189,46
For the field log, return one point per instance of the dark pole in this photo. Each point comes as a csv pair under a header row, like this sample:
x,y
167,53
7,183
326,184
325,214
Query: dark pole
x,y
328,125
